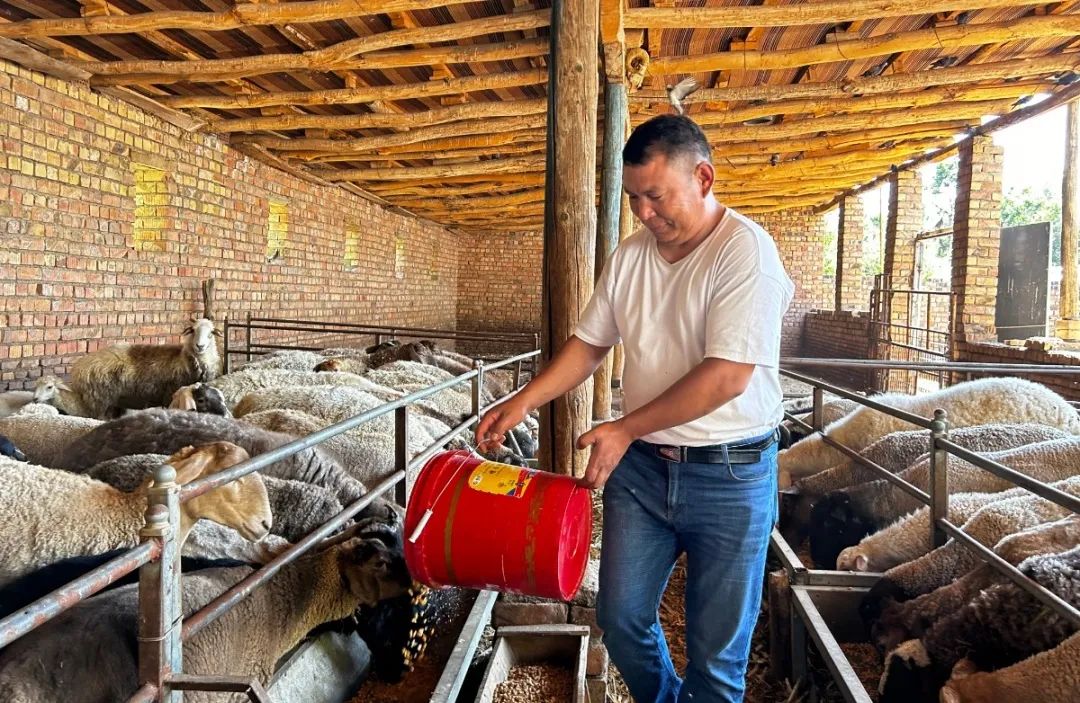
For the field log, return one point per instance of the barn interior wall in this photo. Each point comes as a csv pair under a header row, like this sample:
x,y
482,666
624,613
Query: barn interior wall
x,y
72,280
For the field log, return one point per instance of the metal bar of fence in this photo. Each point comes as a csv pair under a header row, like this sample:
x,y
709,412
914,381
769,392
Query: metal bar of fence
x,y
921,366
428,335
146,694
881,471
845,677
1045,596
915,291
912,347
861,399
366,330
1040,489
49,606
386,328
223,603
421,458
899,326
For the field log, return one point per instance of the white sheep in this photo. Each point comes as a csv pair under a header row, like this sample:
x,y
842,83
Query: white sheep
x,y
1009,400
133,376
51,515
53,391
42,433
285,359
234,386
95,636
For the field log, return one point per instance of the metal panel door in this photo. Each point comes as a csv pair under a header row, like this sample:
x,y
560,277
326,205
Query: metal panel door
x,y
1023,269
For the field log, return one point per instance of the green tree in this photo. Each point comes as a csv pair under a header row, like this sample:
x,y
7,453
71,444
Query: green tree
x,y
1026,206
940,209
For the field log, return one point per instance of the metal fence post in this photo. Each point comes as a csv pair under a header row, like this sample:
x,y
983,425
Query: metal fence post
x,y
401,452
249,336
939,477
818,417
160,647
517,375
477,387
225,346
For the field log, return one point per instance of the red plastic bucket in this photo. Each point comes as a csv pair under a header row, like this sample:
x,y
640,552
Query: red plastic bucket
x,y
481,524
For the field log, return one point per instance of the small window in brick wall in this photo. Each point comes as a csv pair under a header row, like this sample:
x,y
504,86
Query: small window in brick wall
x,y
277,232
151,198
352,246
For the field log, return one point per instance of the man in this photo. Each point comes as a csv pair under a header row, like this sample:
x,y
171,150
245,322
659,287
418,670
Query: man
x,y
697,298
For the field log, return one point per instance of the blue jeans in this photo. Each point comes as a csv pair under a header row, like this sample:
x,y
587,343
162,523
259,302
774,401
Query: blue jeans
x,y
720,515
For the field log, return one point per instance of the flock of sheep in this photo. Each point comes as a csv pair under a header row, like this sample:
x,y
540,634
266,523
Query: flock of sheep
x,y
950,627
77,458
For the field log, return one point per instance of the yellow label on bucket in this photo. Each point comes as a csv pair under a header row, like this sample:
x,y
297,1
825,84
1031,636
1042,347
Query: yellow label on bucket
x,y
501,479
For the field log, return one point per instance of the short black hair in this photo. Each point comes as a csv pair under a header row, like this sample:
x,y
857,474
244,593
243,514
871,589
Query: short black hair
x,y
669,135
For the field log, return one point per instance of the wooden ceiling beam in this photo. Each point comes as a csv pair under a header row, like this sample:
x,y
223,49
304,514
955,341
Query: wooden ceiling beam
x,y
360,144
245,14
957,75
327,58
391,189
528,148
376,60
515,165
420,150
838,140
31,58
854,49
827,12
346,96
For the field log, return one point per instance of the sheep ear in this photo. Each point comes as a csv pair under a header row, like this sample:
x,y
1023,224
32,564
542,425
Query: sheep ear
x,y
64,387
862,563
190,463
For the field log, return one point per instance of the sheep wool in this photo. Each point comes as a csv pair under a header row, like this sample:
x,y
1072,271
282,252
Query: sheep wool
x,y
41,433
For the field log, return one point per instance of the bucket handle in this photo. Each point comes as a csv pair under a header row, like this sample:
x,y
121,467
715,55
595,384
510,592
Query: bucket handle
x,y
426,517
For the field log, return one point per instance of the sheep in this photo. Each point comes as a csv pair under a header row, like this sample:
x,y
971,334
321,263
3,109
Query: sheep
x,y
342,364
145,375
904,620
803,409
49,389
286,360
8,449
1047,677
297,508
159,431
96,639
51,515
200,397
41,433
209,540
841,518
1011,400
998,627
234,386
11,401
952,560
894,452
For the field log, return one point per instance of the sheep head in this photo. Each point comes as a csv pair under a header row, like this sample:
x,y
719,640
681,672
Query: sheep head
x,y
48,389
199,336
331,365
242,504
372,563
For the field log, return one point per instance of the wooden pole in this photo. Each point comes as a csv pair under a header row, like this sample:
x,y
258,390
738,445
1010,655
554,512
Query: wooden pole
x,y
626,223
570,214
1068,324
607,237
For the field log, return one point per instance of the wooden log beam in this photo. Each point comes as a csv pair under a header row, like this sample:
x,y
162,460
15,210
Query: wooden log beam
x,y
394,189
422,134
327,58
862,138
423,172
874,85
473,204
247,14
376,60
853,49
827,12
536,147
1070,219
31,58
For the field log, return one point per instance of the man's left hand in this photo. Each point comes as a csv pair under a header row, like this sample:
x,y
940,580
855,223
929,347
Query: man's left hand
x,y
609,442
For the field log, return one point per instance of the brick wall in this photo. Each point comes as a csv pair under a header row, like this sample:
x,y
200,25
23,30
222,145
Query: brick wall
x,y
842,335
852,292
994,353
977,238
800,237
499,284
71,280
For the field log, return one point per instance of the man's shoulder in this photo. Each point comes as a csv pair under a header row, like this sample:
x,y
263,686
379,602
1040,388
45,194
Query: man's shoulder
x,y
632,247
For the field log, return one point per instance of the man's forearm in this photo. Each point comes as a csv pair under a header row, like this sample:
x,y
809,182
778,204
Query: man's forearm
x,y
574,363
702,390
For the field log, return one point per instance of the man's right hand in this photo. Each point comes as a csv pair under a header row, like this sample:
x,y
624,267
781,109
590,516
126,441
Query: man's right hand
x,y
491,432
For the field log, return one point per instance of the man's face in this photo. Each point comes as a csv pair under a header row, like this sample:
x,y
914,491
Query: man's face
x,y
668,195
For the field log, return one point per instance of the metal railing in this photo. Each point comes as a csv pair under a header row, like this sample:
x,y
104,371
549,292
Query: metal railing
x,y
940,448
162,628
911,325
273,328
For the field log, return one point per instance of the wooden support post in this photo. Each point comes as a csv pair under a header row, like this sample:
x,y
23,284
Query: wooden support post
x,y
1068,325
570,215
626,224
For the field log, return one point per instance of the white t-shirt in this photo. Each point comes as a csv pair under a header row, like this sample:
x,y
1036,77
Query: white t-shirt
x,y
726,300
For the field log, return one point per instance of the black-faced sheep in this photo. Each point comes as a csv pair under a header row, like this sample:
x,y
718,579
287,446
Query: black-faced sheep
x,y
1047,677
51,515
96,639
1000,626
200,398
1007,400
134,376
842,518
160,431
894,452
8,449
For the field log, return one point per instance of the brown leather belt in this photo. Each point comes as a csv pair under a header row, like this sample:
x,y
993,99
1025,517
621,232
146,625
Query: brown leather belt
x,y
737,453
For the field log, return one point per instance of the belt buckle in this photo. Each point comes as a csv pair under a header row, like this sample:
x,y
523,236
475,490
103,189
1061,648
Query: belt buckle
x,y
672,453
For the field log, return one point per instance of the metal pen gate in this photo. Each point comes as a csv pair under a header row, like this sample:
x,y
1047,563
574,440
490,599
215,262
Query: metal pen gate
x,y
909,324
